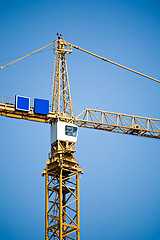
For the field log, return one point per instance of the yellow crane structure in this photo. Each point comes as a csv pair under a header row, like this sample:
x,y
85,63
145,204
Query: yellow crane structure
x,y
62,216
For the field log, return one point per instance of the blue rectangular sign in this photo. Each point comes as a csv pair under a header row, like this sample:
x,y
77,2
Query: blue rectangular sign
x,y
41,106
22,103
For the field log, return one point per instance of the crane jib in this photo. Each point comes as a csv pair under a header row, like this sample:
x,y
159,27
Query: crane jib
x,y
89,118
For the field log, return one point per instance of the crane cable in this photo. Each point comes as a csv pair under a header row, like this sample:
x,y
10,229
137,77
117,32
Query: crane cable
x,y
83,50
25,56
117,64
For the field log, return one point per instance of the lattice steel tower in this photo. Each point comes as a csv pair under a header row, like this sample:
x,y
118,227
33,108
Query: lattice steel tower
x,y
62,172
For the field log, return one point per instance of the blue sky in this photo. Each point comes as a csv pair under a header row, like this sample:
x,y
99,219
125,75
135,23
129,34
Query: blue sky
x,y
120,192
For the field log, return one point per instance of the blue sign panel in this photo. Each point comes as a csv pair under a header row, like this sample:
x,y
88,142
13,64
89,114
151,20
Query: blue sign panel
x,y
22,103
41,106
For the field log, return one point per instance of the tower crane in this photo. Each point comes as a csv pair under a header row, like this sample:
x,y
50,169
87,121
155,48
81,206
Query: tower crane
x,y
62,216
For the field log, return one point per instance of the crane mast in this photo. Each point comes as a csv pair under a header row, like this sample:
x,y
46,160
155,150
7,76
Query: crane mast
x,y
62,104
62,215
62,171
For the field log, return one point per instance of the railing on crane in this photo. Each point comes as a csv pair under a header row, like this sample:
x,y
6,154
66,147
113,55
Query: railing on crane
x,y
90,118
62,170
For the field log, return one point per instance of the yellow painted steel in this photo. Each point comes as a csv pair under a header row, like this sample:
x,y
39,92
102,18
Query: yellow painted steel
x,y
8,110
119,123
17,60
117,64
62,43
62,200
46,206
60,205
95,119
62,104
62,168
78,208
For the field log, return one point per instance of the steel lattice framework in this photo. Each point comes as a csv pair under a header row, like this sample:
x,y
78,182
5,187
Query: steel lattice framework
x,y
62,103
119,123
95,119
62,170
62,201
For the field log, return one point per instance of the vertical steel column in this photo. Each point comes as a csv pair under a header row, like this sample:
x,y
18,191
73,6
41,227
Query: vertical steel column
x,y
63,79
60,205
46,206
78,207
54,105
59,82
63,214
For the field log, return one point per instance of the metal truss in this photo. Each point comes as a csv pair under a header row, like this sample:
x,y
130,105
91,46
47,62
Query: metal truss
x,y
8,110
62,204
62,216
95,119
119,123
62,103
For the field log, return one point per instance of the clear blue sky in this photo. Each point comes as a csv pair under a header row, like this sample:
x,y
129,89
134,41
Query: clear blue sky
x,y
120,190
